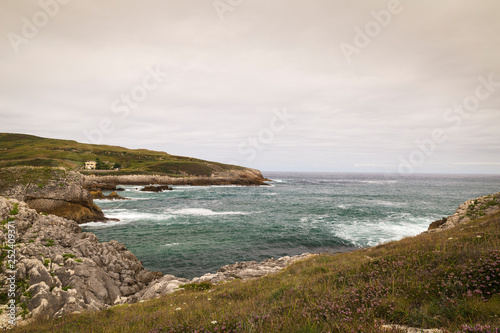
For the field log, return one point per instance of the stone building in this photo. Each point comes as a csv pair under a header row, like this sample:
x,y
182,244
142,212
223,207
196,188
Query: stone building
x,y
90,165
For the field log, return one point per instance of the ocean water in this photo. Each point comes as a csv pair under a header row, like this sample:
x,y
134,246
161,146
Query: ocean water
x,y
191,231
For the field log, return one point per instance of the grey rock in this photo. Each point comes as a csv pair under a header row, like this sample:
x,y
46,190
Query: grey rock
x,y
66,270
53,191
244,270
469,210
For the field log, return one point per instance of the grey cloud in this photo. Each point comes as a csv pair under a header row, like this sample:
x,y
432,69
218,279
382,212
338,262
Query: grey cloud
x,y
226,78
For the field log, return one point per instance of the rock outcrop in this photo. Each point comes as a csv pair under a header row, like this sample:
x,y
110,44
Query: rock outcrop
x,y
112,196
61,270
245,176
250,269
52,191
243,271
468,211
152,188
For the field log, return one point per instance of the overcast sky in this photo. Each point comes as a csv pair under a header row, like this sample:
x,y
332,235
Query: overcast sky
x,y
283,85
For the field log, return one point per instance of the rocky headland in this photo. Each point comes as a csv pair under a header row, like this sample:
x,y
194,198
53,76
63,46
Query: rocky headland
x,y
245,177
70,194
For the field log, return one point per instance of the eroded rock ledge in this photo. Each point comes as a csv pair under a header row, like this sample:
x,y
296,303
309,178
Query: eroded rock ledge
x,y
242,271
248,177
51,190
62,270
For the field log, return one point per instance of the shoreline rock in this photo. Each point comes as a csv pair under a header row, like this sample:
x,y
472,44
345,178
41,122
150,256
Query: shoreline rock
x,y
169,284
112,196
251,269
469,210
157,189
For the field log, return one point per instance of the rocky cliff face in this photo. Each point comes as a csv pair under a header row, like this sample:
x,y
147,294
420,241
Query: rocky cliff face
x,y
230,177
469,210
59,269
51,190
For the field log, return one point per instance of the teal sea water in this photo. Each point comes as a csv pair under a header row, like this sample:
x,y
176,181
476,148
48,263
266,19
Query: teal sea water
x,y
191,231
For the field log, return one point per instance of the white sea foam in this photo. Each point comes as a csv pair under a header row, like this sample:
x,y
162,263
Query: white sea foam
x,y
204,212
101,224
105,201
380,182
134,215
377,181
371,233
312,219
279,180
180,188
171,244
344,206
225,186
386,203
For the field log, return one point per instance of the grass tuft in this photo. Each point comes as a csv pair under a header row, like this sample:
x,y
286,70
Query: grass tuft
x,y
197,286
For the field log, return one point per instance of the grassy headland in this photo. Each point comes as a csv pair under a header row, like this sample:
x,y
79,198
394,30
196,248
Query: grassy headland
x,y
29,150
448,280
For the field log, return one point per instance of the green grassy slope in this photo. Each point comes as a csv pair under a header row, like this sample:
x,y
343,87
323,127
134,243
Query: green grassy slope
x,y
448,280
22,150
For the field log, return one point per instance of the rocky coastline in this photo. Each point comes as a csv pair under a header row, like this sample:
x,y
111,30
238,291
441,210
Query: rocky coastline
x,y
61,270
70,194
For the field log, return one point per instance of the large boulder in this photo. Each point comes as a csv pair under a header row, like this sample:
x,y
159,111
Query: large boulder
x,y
52,191
152,188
